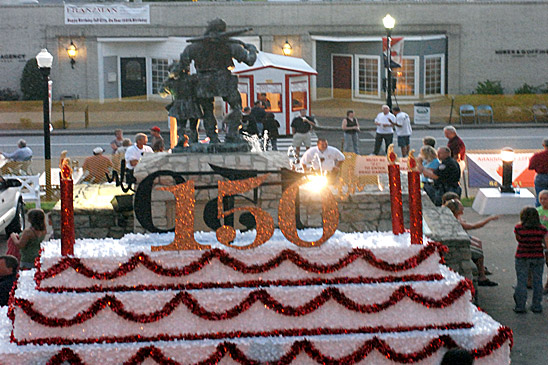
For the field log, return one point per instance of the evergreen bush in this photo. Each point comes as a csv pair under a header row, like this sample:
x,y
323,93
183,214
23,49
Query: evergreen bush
x,y
489,88
32,82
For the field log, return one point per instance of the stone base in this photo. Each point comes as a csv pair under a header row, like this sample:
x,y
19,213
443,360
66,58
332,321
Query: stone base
x,y
94,216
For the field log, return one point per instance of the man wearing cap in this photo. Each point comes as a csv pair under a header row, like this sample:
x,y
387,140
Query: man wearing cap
x,y
157,141
96,167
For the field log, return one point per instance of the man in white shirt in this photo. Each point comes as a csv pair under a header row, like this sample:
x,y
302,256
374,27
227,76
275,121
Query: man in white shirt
x,y
134,153
329,158
384,122
403,130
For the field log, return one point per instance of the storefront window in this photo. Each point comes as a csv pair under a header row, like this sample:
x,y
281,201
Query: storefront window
x,y
405,77
368,75
433,75
299,95
244,94
160,72
271,96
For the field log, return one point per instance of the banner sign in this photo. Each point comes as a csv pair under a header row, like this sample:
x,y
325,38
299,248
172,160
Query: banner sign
x,y
396,49
485,170
374,165
106,14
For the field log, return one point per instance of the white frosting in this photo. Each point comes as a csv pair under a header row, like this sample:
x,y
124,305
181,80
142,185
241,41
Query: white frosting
x,y
106,255
265,349
182,321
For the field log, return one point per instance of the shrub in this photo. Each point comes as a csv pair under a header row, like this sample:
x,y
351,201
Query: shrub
x,y
26,123
527,89
32,82
58,124
8,95
489,88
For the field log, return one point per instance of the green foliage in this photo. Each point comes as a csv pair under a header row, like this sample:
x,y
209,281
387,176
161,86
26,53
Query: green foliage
x,y
527,89
8,94
32,82
489,88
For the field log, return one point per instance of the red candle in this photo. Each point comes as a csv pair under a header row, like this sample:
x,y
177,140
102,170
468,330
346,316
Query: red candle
x,y
415,200
394,181
67,209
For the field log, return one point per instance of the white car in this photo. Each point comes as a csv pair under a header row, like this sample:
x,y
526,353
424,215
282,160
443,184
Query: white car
x,y
12,208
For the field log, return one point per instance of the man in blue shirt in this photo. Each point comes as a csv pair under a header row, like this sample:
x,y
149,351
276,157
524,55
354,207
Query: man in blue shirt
x,y
22,153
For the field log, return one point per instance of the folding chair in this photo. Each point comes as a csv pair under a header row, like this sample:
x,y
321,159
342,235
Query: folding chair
x,y
540,112
467,111
484,111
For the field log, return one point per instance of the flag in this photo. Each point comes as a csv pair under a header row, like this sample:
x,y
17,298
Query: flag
x,y
396,50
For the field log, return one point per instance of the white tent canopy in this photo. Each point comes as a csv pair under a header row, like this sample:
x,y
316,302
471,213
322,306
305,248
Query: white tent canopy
x,y
266,60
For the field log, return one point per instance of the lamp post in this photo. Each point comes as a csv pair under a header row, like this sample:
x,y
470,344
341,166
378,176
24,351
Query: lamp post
x,y
287,49
507,156
45,60
388,23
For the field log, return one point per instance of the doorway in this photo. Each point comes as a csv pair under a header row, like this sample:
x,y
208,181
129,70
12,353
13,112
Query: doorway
x,y
133,77
342,76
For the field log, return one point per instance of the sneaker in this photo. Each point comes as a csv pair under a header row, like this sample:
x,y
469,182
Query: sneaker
x,y
487,282
536,310
520,311
487,272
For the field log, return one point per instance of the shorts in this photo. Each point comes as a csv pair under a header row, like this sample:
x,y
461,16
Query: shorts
x,y
300,138
403,141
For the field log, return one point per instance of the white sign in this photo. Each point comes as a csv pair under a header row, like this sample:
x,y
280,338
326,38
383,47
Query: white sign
x,y
106,14
422,115
374,165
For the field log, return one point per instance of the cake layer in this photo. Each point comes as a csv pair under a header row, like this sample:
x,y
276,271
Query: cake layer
x,y
122,316
129,264
487,340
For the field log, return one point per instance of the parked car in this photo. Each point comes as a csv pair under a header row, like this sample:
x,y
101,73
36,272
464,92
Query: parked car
x,y
12,208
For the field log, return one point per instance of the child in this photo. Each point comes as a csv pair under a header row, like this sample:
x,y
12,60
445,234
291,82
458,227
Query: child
x,y
29,241
456,207
542,210
532,238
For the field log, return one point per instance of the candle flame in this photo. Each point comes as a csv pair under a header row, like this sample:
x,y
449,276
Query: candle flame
x,y
412,161
391,155
64,165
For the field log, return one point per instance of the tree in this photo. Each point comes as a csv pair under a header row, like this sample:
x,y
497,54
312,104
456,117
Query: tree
x,y
32,82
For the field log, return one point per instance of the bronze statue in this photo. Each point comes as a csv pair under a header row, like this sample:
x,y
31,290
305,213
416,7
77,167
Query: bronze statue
x,y
212,55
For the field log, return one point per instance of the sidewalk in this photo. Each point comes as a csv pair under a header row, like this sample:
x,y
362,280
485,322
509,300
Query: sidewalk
x,y
499,246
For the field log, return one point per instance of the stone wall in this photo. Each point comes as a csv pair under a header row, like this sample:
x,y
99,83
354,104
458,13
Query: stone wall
x,y
94,216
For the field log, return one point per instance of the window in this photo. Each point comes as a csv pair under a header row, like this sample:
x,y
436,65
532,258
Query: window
x,y
368,75
243,89
160,72
271,96
299,95
433,75
406,77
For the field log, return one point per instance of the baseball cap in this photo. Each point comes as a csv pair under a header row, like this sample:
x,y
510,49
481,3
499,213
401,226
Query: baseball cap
x,y
155,129
98,150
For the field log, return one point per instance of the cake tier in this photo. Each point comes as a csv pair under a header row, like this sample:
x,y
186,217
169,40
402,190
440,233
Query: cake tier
x,y
129,264
487,340
63,318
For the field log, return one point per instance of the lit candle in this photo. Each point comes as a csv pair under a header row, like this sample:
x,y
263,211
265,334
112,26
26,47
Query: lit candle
x,y
394,182
415,200
67,207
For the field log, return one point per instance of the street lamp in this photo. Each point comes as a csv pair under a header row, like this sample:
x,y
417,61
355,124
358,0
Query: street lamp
x,y
287,49
507,157
388,23
45,60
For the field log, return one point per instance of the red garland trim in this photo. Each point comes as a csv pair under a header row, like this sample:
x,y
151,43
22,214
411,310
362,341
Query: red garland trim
x,y
237,265
247,284
64,355
503,334
241,334
261,295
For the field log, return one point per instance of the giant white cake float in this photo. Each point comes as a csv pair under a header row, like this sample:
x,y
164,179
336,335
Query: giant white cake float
x,y
307,297
358,298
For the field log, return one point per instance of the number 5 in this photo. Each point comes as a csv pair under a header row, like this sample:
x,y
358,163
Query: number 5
x,y
264,222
